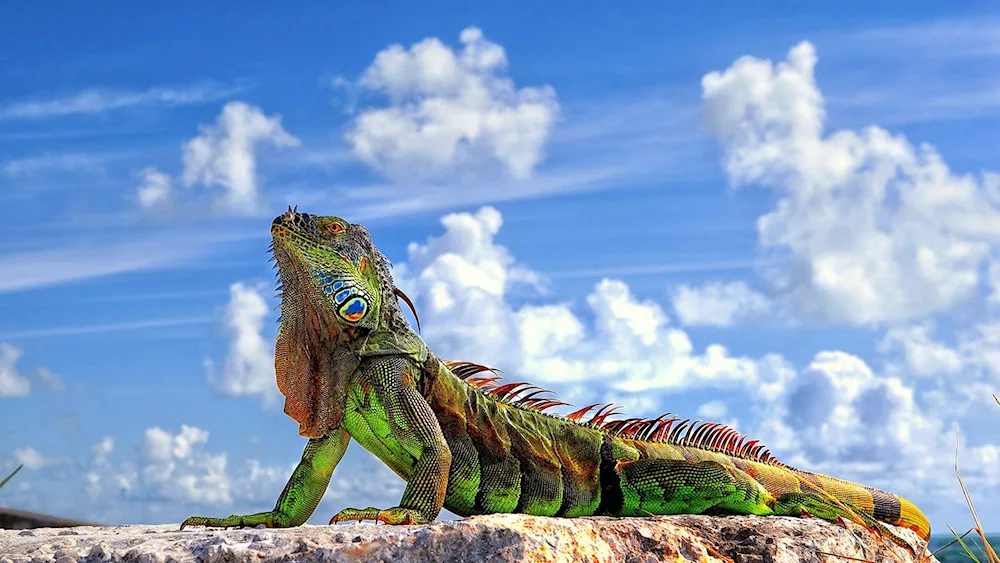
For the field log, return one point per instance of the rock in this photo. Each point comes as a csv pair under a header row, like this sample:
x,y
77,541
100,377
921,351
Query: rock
x,y
498,537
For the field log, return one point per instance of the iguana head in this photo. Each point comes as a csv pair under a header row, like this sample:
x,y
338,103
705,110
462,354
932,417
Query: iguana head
x,y
326,263
336,291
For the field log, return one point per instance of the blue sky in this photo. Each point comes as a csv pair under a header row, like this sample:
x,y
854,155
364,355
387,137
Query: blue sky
x,y
783,218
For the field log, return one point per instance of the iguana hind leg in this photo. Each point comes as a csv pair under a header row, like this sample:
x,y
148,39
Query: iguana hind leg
x,y
661,486
302,493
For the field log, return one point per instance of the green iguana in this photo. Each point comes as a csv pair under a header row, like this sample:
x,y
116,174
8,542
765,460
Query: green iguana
x,y
349,365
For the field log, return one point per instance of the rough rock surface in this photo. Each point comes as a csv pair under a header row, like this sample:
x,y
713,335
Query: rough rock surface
x,y
501,537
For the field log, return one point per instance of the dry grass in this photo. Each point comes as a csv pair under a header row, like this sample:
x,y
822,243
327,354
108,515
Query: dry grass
x,y
11,476
989,552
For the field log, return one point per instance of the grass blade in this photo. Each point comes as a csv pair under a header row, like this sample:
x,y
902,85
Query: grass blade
x,y
11,476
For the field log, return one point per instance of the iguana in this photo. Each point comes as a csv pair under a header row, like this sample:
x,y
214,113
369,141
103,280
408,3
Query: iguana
x,y
349,365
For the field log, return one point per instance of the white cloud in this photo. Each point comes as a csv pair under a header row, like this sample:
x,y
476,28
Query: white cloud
x,y
720,304
713,410
155,188
174,474
173,466
462,281
869,227
981,349
994,283
923,355
450,112
30,458
103,449
843,419
248,368
224,154
96,100
12,383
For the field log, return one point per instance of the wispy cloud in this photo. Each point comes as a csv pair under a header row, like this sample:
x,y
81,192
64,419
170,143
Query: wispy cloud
x,y
937,39
100,100
105,328
155,296
68,162
52,266
621,142
915,72
656,269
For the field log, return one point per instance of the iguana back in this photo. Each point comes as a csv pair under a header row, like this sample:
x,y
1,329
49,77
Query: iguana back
x,y
533,462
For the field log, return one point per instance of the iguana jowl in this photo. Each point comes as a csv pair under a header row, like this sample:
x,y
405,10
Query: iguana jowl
x,y
350,366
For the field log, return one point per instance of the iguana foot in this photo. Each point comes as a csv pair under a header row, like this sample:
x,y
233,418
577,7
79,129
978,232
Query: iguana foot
x,y
268,519
397,515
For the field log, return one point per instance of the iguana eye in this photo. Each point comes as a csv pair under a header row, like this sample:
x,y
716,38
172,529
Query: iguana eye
x,y
354,309
335,228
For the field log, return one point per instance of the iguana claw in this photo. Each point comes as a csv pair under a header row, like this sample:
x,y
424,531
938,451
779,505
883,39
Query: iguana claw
x,y
397,515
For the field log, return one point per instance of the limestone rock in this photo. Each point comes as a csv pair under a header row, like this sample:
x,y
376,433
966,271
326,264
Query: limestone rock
x,y
499,537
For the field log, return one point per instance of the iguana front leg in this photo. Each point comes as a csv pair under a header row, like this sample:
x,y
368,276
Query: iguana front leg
x,y
413,424
302,493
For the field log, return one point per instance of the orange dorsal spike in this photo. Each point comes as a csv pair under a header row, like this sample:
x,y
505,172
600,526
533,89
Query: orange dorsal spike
x,y
507,390
663,432
617,426
531,396
547,404
481,382
578,414
654,427
465,369
666,428
699,434
601,416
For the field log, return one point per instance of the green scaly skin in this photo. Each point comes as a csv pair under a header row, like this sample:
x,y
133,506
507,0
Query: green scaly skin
x,y
350,366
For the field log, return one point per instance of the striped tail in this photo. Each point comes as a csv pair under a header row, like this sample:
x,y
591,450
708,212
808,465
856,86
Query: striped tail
x,y
880,505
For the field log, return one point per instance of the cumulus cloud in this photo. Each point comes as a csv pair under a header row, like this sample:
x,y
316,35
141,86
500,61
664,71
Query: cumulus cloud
x,y
176,468
463,281
173,466
12,383
842,418
720,304
103,449
713,410
248,368
224,155
980,349
155,188
868,228
923,356
175,473
30,458
450,112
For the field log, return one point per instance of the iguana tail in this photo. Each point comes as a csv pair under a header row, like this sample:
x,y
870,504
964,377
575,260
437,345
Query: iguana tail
x,y
865,502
